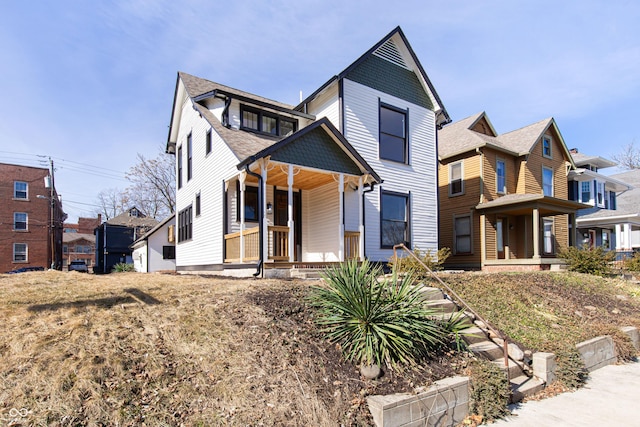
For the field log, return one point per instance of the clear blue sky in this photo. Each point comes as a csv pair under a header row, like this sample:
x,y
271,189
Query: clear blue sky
x,y
90,83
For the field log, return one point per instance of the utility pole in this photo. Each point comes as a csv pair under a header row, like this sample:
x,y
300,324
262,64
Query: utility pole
x,y
52,214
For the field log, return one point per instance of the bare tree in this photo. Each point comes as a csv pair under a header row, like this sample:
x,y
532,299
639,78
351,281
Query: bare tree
x,y
152,188
112,203
629,158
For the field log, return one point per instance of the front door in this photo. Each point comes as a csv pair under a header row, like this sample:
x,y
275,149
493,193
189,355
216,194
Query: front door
x,y
281,215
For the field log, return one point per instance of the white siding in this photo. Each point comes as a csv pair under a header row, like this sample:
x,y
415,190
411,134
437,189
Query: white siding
x,y
209,173
155,244
320,231
139,257
327,105
361,130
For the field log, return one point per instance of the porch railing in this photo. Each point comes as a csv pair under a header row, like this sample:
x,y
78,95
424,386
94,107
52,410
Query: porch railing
x,y
279,243
251,246
351,245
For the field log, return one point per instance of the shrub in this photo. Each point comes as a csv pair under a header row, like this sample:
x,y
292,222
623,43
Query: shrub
x,y
571,371
376,321
633,263
408,264
490,392
586,260
122,267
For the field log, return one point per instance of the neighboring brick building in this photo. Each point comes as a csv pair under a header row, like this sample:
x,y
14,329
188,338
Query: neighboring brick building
x,y
29,235
79,241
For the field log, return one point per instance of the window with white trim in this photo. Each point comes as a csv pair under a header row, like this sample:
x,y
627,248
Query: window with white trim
x,y
20,221
585,191
547,236
462,234
600,194
20,253
501,176
546,146
185,224
456,181
20,190
547,181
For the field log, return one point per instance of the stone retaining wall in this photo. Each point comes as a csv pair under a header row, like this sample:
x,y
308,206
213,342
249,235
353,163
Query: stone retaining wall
x,y
445,404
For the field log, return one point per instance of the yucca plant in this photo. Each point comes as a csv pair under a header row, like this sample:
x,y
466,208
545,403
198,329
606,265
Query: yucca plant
x,y
376,320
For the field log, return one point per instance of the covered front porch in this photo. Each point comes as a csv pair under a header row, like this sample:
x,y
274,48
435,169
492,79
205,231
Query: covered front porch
x,y
298,204
525,232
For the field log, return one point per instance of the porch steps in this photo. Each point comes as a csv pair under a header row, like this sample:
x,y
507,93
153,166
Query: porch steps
x,y
480,342
305,273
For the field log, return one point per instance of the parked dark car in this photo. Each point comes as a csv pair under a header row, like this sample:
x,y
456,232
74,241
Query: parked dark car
x,y
25,269
78,265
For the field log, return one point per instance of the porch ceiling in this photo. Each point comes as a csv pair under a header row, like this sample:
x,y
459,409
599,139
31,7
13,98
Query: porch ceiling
x,y
305,179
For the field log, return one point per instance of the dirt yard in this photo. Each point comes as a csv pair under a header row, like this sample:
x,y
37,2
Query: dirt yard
x,y
132,349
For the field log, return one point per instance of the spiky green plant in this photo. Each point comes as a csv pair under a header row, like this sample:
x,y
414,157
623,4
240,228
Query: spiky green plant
x,y
376,320
123,267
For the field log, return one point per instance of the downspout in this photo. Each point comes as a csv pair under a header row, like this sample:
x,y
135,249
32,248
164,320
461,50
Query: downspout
x,y
260,270
479,151
369,190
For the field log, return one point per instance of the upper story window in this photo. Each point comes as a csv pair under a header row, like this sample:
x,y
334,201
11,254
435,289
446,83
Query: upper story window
x,y
547,181
189,157
612,201
180,167
20,190
265,122
501,176
394,219
207,144
546,146
393,134
600,194
20,221
456,182
585,190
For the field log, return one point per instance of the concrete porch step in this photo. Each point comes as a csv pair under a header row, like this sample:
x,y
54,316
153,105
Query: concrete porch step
x,y
443,306
431,294
487,349
473,335
305,273
524,386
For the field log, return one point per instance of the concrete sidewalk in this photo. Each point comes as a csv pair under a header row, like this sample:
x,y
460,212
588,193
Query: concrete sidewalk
x,y
610,398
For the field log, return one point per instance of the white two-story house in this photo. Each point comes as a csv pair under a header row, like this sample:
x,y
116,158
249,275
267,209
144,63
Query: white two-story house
x,y
602,225
266,187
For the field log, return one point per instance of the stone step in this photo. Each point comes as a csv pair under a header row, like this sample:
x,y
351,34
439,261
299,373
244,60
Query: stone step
x,y
473,335
515,369
465,321
443,306
431,294
487,349
524,386
305,273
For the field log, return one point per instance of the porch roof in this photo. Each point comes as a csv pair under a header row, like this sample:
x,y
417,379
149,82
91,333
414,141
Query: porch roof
x,y
518,204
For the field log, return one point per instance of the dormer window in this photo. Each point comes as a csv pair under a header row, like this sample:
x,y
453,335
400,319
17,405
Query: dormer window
x,y
257,120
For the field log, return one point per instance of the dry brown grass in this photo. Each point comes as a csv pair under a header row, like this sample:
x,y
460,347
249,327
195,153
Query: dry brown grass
x,y
133,349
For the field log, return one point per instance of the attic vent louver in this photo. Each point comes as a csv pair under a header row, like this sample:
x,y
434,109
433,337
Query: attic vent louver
x,y
390,52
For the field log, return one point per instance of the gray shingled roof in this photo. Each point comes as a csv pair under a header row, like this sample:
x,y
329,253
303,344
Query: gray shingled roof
x,y
197,86
582,159
458,138
132,221
522,140
629,201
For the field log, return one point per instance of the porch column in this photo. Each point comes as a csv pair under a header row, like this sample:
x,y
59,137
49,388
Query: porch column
x,y
341,218
574,230
242,178
265,223
536,233
618,238
627,237
483,240
360,219
290,222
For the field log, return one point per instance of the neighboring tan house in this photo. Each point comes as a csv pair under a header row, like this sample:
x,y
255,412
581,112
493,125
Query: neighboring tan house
x,y
603,224
156,250
79,242
348,173
115,236
504,198
31,218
